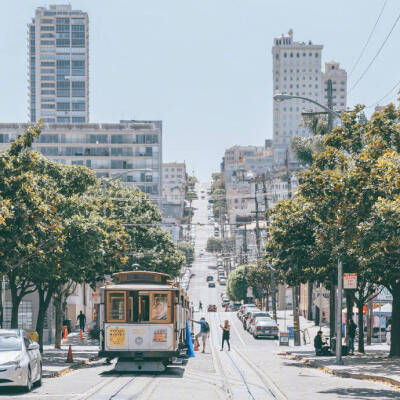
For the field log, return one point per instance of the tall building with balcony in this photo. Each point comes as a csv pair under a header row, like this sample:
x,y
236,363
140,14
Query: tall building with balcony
x,y
130,147
58,65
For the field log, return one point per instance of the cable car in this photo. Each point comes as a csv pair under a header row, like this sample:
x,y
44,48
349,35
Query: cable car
x,y
143,318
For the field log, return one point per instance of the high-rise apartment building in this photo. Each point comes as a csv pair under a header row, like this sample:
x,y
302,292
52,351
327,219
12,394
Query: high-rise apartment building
x,y
131,148
296,70
58,49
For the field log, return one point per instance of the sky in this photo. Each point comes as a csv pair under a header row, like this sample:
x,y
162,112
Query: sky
x,y
203,67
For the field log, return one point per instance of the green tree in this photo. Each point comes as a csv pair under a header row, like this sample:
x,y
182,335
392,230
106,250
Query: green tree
x,y
237,283
214,245
188,250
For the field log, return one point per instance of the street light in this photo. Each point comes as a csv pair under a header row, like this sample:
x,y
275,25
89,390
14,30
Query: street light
x,y
279,97
282,97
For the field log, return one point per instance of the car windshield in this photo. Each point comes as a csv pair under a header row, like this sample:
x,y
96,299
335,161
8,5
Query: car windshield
x,y
10,342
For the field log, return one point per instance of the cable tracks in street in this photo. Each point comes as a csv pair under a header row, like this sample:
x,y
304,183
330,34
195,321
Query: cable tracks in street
x,y
102,390
268,385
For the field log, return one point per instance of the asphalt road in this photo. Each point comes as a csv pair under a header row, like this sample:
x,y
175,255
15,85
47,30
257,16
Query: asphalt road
x,y
251,370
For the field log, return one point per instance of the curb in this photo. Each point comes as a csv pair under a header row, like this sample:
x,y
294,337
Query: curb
x,y
68,368
342,374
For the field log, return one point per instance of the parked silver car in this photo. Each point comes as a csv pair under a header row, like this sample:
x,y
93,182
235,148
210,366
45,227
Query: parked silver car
x,y
252,317
264,327
20,359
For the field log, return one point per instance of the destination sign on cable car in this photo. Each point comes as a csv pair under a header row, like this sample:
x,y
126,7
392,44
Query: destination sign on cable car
x,y
139,277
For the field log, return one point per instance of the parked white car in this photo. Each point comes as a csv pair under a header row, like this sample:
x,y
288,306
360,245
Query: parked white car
x,y
20,359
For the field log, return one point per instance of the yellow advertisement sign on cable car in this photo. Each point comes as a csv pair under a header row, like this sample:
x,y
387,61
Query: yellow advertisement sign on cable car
x,y
117,337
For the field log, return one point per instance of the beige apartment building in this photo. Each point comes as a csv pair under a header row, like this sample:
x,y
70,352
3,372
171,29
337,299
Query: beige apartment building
x,y
297,71
173,197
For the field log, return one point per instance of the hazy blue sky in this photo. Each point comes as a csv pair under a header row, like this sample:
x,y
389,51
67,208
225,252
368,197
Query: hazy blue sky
x,y
201,66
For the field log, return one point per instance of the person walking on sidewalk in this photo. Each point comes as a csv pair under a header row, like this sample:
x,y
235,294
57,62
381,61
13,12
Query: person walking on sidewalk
x,y
200,305
82,321
226,331
352,335
204,332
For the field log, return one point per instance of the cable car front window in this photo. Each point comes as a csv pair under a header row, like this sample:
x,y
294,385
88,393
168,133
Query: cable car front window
x,y
116,306
144,310
159,311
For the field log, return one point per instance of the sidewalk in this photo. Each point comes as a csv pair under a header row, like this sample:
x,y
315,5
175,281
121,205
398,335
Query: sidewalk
x,y
373,365
83,351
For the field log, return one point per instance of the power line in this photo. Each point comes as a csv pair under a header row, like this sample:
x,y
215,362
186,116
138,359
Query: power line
x,y
385,96
368,40
377,54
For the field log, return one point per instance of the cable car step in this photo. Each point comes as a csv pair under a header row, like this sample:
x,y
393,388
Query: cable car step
x,y
140,366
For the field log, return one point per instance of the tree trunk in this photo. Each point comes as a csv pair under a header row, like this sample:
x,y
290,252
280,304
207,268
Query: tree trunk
x,y
16,301
349,312
44,301
309,302
332,318
360,305
266,300
395,330
296,321
57,300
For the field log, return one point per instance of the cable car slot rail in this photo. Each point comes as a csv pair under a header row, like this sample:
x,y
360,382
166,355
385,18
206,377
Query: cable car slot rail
x,y
269,385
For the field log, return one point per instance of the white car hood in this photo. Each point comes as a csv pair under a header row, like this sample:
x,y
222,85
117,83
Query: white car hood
x,y
8,356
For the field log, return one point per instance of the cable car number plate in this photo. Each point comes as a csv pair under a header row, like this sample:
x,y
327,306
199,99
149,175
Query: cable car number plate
x,y
117,337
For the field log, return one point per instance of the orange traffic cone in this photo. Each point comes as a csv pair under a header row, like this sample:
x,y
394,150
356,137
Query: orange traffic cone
x,y
80,334
65,331
70,359
196,346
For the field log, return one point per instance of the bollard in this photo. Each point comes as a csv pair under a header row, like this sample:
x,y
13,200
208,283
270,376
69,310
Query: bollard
x,y
80,334
65,331
70,359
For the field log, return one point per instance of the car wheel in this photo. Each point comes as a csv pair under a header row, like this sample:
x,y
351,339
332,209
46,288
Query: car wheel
x,y
28,386
39,381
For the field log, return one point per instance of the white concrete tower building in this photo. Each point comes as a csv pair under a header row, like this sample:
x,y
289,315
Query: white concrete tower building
x,y
296,70
58,66
338,77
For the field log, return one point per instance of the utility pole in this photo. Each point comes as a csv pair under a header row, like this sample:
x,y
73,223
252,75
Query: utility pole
x,y
295,296
245,244
330,105
257,230
271,270
339,315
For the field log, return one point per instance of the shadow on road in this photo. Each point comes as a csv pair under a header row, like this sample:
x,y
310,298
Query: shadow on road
x,y
363,393
171,372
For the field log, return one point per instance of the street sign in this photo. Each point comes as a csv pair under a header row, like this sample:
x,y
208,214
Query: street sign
x,y
349,281
284,339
